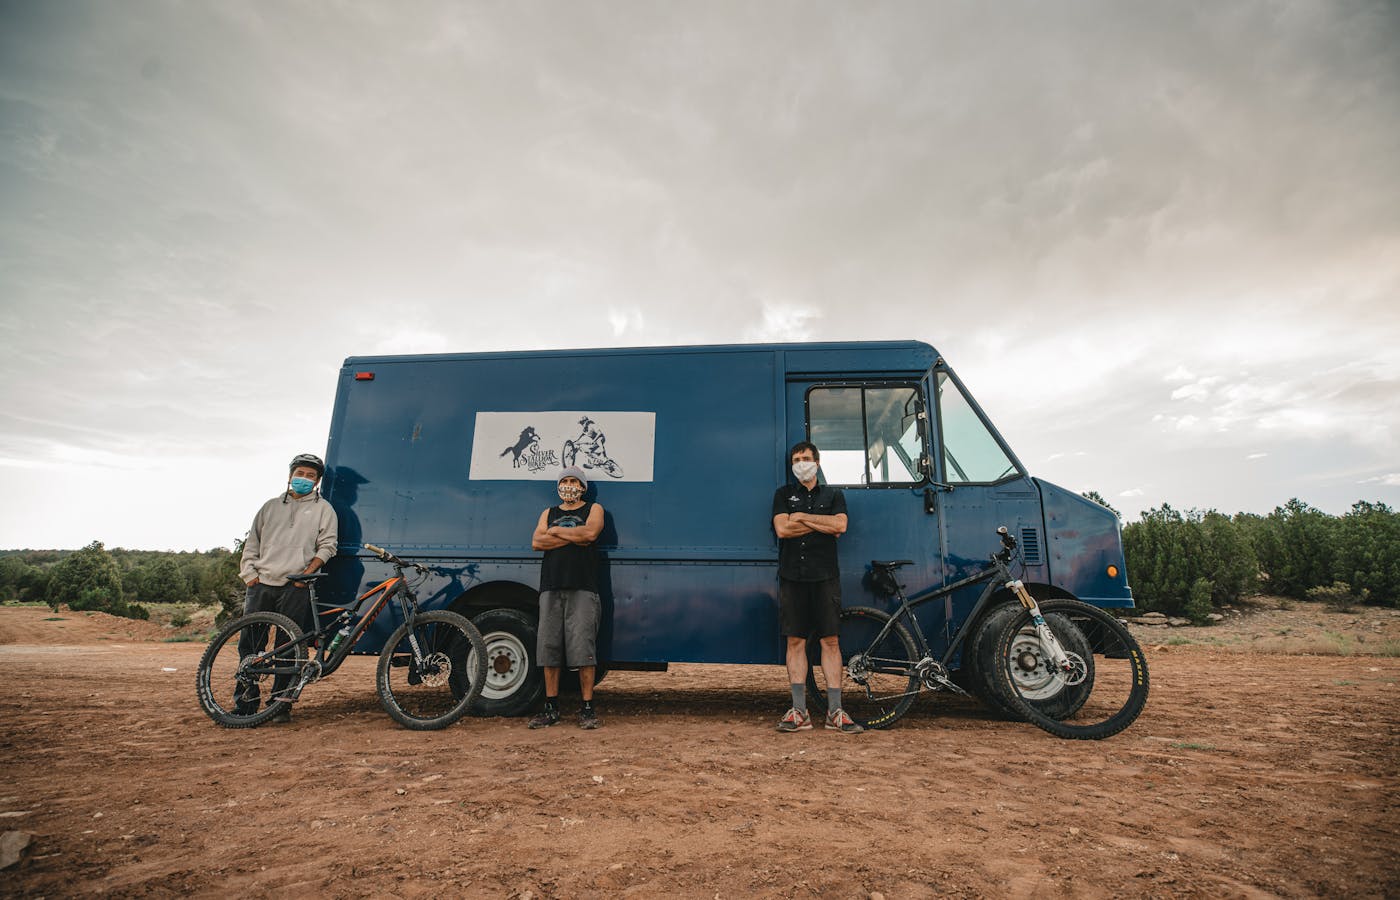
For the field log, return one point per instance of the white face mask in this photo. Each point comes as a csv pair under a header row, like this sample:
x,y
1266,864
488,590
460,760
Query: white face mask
x,y
804,471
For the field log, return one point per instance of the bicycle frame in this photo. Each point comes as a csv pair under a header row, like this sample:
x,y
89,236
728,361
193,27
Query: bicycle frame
x,y
324,663
997,576
396,586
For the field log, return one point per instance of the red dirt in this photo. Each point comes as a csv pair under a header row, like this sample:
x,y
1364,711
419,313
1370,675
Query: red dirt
x,y
1248,775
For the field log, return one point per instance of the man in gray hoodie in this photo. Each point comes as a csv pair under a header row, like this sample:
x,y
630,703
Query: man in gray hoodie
x,y
294,533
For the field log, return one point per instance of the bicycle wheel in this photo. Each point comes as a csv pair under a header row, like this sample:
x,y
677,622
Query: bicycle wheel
x,y
878,682
1109,684
251,659
450,678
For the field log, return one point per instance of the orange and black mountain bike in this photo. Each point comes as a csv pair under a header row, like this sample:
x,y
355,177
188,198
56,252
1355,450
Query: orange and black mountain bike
x,y
430,671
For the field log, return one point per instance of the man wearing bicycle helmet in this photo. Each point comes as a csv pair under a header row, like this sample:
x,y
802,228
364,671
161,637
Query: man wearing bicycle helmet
x,y
294,533
570,608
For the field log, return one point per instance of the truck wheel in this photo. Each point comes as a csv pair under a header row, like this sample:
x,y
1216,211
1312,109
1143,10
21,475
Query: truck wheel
x,y
514,684
1050,698
981,657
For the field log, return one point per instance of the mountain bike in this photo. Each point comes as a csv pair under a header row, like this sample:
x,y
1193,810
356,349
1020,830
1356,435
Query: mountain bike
x,y
430,671
1067,667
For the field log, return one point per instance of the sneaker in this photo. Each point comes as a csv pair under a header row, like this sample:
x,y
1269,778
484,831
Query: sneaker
x,y
588,719
837,720
795,720
282,718
545,718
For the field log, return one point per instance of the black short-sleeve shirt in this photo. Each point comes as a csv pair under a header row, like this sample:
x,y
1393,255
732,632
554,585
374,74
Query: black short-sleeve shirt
x,y
811,557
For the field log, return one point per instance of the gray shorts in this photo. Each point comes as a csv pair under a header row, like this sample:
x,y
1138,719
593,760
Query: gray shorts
x,y
568,628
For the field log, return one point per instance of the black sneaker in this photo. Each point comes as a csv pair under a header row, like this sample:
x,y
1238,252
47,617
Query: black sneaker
x,y
282,718
545,718
588,719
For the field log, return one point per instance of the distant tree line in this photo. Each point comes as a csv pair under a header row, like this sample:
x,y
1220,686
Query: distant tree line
x,y
1179,562
120,581
1191,562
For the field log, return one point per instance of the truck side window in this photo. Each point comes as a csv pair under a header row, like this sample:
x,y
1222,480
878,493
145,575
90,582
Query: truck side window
x,y
970,453
868,435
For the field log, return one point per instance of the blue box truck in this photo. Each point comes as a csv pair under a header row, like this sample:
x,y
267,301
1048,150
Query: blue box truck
x,y
449,458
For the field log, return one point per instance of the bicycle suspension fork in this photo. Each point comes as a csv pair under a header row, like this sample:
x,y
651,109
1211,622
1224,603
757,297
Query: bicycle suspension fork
x,y
1048,642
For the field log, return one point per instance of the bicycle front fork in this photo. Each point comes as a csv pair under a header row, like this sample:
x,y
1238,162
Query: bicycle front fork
x,y
1048,642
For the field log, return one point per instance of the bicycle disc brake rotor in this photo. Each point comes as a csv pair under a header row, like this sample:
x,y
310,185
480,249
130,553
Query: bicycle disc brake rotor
x,y
435,669
1079,670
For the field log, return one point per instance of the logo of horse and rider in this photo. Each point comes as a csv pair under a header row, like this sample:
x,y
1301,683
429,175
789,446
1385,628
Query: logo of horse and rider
x,y
590,444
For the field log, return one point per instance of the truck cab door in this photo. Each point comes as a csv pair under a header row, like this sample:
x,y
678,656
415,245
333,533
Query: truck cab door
x,y
873,437
981,485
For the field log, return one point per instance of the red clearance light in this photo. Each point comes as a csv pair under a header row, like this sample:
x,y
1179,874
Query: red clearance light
x,y
364,376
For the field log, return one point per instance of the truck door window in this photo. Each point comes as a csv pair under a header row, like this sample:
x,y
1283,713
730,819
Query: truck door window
x,y
867,435
971,453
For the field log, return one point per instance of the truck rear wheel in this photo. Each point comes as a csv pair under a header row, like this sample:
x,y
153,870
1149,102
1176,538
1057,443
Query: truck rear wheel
x,y
514,683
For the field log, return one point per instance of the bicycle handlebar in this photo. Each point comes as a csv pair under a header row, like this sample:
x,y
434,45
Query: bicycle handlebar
x,y
390,558
1008,544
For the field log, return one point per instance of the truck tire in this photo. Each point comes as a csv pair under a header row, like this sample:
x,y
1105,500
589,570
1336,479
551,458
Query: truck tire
x,y
980,656
991,649
514,683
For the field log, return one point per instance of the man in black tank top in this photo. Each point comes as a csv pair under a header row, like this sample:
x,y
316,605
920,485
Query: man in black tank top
x,y
570,608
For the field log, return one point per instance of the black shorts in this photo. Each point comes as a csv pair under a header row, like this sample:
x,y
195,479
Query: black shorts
x,y
808,608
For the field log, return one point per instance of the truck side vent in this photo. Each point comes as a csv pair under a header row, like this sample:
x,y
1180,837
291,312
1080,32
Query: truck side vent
x,y
1030,546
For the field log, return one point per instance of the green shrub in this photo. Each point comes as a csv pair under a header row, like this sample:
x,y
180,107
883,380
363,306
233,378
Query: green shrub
x,y
1169,553
1338,596
1198,605
180,619
1368,552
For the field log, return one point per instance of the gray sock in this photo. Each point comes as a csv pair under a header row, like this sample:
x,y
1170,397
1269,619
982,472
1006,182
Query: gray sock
x,y
799,697
833,698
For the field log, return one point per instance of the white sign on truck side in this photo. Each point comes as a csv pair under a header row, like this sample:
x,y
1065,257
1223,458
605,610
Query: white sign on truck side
x,y
534,446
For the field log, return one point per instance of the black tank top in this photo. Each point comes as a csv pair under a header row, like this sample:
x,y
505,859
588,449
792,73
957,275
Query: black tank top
x,y
572,566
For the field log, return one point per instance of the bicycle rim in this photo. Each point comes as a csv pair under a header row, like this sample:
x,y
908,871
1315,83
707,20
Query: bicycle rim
x,y
243,668
435,686
878,684
1111,672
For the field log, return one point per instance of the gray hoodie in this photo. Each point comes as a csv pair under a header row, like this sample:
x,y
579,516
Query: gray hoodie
x,y
286,535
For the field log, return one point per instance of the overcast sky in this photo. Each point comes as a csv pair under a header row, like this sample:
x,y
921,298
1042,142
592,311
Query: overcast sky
x,y
1159,241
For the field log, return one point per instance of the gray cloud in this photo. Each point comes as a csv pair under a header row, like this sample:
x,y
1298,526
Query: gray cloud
x,y
205,207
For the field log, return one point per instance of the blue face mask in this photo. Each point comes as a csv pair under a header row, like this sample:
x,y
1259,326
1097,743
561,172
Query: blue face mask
x,y
302,486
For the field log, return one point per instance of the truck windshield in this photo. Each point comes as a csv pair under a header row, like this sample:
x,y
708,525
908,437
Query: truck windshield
x,y
971,454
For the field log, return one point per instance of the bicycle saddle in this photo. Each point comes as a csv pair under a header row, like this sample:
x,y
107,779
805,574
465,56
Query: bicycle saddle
x,y
312,577
890,564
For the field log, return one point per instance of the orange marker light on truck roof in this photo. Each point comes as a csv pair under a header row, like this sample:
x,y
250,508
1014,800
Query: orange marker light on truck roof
x,y
364,376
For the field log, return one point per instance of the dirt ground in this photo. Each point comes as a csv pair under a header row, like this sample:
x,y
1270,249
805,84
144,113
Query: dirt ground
x,y
1250,774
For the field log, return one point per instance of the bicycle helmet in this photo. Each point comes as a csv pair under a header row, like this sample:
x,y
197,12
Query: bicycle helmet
x,y
310,460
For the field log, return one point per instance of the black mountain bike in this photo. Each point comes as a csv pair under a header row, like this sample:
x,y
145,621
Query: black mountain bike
x,y
430,672
1063,665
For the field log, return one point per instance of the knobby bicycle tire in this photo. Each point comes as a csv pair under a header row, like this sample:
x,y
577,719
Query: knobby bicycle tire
x,y
1117,680
888,670
229,692
425,700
